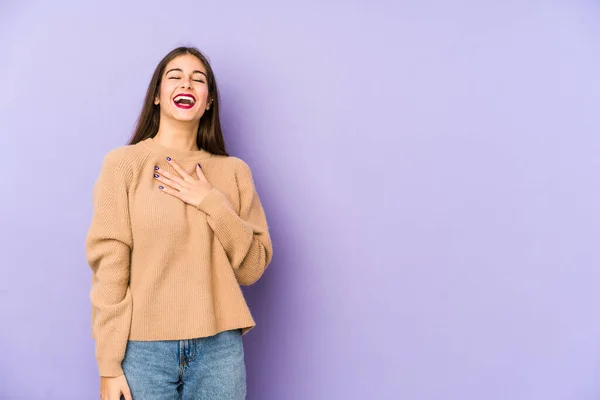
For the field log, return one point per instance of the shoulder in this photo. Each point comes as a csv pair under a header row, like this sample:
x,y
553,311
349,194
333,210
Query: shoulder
x,y
233,167
120,161
121,155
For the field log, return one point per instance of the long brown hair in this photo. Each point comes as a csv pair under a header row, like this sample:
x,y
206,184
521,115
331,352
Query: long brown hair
x,y
210,135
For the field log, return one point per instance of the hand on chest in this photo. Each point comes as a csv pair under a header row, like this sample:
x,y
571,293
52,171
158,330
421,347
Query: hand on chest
x,y
166,197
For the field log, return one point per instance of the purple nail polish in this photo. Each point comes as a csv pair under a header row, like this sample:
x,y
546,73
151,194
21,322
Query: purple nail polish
x,y
168,158
156,168
161,187
156,175
200,165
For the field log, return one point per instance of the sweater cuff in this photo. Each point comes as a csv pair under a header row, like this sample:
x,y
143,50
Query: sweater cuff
x,y
110,368
213,202
235,234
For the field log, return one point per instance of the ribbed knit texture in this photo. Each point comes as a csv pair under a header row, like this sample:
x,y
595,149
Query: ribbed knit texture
x,y
163,269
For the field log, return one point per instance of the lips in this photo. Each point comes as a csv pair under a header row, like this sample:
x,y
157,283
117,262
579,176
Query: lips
x,y
184,101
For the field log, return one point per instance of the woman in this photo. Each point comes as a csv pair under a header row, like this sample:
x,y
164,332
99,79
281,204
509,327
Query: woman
x,y
177,227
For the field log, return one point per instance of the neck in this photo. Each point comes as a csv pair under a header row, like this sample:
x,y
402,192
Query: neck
x,y
177,135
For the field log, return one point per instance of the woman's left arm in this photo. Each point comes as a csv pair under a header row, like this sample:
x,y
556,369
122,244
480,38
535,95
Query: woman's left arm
x,y
244,236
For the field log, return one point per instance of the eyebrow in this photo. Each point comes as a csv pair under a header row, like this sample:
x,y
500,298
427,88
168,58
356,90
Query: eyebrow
x,y
180,70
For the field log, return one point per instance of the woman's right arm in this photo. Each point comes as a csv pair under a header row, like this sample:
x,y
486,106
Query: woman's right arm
x,y
108,248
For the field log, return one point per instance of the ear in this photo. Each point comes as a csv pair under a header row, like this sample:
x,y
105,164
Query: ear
x,y
156,101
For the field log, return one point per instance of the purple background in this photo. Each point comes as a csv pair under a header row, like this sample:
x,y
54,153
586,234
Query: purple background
x,y
430,171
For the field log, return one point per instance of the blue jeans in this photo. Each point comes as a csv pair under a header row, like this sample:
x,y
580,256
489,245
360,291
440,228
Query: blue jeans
x,y
195,369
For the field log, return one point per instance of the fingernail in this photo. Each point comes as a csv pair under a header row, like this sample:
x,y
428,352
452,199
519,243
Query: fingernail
x,y
161,187
200,166
168,158
156,175
156,168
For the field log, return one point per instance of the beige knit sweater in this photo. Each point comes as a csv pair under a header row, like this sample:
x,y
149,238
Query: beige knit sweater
x,y
163,269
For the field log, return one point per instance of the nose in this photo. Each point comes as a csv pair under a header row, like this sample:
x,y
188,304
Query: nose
x,y
185,83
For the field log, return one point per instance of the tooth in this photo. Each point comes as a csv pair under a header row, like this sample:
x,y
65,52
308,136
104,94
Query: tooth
x,y
182,97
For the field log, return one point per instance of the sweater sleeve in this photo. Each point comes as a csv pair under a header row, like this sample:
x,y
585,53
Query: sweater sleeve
x,y
108,248
244,236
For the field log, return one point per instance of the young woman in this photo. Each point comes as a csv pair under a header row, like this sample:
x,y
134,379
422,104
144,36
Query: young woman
x,y
177,227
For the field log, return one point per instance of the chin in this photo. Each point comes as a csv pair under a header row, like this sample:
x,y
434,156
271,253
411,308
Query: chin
x,y
190,120
187,117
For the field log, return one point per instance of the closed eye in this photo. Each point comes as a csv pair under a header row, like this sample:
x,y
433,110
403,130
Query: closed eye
x,y
177,77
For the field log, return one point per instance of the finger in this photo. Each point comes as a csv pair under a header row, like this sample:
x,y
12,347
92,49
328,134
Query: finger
x,y
170,191
167,181
168,175
179,170
127,393
114,394
200,173
103,389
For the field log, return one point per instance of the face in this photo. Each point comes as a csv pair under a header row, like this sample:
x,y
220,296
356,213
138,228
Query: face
x,y
183,93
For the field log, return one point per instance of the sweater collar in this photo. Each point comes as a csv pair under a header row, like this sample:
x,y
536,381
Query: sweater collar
x,y
175,154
